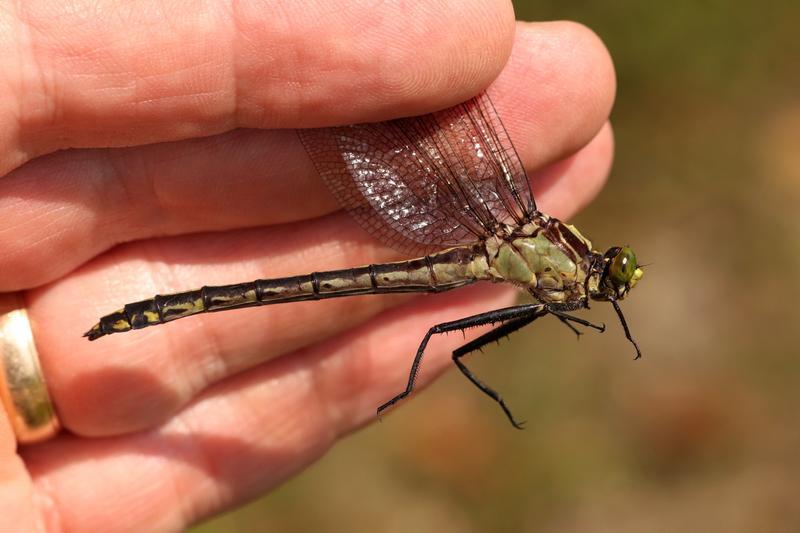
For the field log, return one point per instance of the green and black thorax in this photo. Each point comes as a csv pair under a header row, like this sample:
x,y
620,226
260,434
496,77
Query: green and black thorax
x,y
555,263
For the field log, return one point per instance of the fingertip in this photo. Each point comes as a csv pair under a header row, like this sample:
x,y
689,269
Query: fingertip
x,y
567,186
557,90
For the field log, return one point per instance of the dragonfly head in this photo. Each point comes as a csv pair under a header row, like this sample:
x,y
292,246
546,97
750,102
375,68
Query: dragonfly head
x,y
620,274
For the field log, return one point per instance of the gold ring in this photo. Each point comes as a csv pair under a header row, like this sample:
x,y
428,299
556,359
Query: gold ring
x,y
22,387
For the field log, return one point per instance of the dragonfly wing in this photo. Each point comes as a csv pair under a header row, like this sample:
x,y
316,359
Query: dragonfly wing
x,y
424,183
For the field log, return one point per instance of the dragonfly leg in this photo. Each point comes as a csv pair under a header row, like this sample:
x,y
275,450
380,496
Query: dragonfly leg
x,y
492,336
575,330
490,317
625,328
564,317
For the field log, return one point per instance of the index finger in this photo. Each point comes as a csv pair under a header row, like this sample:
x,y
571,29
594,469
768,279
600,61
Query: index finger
x,y
153,71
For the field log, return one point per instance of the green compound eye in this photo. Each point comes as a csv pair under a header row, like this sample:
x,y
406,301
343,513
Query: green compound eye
x,y
623,267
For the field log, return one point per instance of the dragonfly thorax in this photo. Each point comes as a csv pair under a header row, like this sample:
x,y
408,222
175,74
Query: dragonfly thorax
x,y
549,269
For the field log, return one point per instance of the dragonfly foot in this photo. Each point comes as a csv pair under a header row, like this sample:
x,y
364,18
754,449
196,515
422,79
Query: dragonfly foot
x,y
507,411
382,409
638,352
575,330
518,425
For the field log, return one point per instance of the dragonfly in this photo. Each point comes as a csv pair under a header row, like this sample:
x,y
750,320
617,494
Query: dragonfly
x,y
449,189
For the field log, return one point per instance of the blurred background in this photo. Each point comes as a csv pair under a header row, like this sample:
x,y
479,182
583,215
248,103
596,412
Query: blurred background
x,y
703,433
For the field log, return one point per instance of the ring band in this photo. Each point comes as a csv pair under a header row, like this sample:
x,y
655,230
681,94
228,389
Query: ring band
x,y
22,387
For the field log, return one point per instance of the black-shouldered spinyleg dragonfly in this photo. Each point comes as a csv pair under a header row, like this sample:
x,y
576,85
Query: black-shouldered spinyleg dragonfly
x,y
450,189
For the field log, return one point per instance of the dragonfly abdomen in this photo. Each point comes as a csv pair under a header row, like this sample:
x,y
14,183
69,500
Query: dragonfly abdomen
x,y
445,270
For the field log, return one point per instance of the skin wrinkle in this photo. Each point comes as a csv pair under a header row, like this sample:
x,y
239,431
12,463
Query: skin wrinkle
x,y
220,364
96,189
134,83
319,393
180,425
171,71
15,89
284,430
151,168
140,212
51,128
183,421
355,372
24,75
45,500
282,61
236,54
145,207
152,206
361,366
329,373
43,239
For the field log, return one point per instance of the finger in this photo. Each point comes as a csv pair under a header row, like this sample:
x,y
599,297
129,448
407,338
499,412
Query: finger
x,y
19,508
163,71
249,433
557,90
135,380
65,208
576,180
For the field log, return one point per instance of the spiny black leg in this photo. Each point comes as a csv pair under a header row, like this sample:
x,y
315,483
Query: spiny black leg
x,y
491,317
564,317
498,333
575,330
625,328
494,335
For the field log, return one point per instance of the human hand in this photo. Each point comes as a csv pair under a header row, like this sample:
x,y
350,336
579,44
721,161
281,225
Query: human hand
x,y
160,193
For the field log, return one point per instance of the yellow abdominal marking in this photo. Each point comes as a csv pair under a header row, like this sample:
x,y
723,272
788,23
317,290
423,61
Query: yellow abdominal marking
x,y
121,325
183,309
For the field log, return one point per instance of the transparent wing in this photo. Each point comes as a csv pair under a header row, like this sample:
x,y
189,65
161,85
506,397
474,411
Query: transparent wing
x,y
424,183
